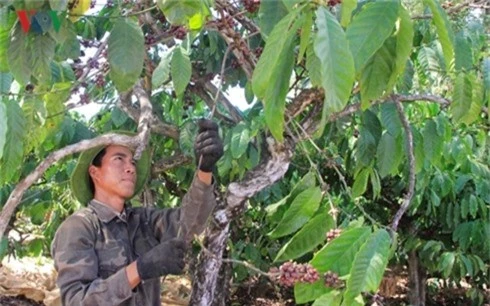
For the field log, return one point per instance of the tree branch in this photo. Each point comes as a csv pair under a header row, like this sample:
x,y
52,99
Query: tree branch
x,y
172,162
156,124
269,171
411,163
144,120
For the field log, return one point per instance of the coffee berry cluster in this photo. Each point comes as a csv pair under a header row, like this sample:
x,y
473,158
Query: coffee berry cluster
x,y
332,279
290,273
333,233
251,5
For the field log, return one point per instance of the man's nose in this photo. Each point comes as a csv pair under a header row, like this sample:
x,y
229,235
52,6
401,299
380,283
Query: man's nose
x,y
130,167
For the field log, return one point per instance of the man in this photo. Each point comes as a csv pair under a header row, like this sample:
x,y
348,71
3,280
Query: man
x,y
110,253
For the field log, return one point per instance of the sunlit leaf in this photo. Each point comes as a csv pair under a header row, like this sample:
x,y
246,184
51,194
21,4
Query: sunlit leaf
x,y
7,19
13,150
360,183
3,127
377,72
367,31
404,41
337,256
444,31
270,13
369,265
337,64
181,70
240,140
162,72
462,96
346,10
301,210
307,238
333,298
306,292
19,57
125,53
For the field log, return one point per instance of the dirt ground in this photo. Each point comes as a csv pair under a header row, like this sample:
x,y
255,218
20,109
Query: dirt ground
x,y
30,282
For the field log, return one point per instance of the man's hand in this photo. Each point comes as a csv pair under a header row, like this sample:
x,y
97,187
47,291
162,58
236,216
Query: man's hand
x,y
165,258
208,145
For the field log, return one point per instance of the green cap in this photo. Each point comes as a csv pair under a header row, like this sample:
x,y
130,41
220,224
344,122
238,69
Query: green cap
x,y
80,179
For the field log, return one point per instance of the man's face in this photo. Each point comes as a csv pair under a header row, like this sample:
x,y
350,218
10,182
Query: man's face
x,y
117,174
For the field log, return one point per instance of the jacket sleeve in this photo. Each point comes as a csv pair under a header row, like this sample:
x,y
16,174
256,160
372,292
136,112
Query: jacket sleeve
x,y
77,265
188,220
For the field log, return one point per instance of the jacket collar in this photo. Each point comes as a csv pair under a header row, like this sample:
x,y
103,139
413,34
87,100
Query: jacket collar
x,y
105,213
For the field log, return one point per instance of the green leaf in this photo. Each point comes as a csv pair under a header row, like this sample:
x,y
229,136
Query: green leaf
x,y
446,263
7,20
270,13
462,96
179,12
70,47
486,80
35,117
377,72
367,31
181,70
6,80
59,5
126,52
314,66
307,238
305,292
301,210
338,255
433,143
42,48
3,127
280,39
475,110
240,139
404,42
360,183
390,119
19,57
389,155
346,10
444,31
307,181
162,72
333,298
305,34
270,80
13,149
337,64
463,55
369,265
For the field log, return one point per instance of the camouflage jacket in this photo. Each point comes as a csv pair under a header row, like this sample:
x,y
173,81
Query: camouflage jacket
x,y
94,245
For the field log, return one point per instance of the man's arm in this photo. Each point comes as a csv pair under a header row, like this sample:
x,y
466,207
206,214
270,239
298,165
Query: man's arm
x,y
77,265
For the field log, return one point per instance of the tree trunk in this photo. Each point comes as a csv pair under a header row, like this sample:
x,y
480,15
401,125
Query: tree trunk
x,y
223,283
417,277
206,287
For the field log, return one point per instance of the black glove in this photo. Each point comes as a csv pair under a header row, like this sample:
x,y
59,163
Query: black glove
x,y
208,145
165,258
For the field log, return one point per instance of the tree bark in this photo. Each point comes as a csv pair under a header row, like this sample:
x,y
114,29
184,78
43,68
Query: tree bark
x,y
417,278
272,168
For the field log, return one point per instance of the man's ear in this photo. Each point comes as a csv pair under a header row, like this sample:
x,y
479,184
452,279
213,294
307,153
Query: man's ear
x,y
93,172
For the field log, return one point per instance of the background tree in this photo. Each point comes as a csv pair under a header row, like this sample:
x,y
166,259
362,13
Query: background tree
x,y
366,138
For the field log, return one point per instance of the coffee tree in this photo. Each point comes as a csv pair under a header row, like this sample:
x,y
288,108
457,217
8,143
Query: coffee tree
x,y
365,141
